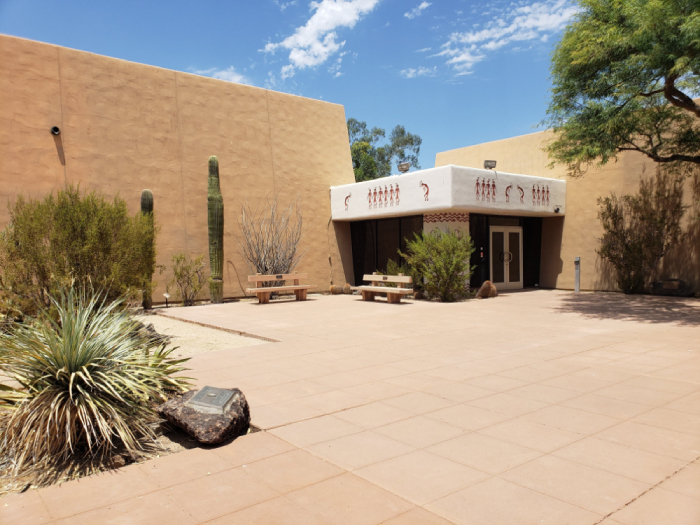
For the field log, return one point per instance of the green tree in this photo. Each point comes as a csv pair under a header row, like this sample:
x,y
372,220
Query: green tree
x,y
370,160
624,74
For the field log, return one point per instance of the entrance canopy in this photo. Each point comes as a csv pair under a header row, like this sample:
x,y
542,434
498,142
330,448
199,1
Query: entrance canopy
x,y
449,188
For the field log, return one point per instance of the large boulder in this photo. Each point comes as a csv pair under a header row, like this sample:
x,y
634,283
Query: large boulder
x,y
227,417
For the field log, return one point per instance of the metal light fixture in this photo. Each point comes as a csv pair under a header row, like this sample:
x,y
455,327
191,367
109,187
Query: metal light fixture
x,y
404,167
55,130
167,296
489,164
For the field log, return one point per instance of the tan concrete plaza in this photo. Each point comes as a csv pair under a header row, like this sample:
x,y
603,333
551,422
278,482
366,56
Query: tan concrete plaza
x,y
535,408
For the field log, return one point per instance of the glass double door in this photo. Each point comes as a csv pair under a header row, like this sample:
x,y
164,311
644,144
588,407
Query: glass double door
x,y
507,257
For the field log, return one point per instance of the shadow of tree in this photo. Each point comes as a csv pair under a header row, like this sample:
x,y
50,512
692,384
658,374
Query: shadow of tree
x,y
642,308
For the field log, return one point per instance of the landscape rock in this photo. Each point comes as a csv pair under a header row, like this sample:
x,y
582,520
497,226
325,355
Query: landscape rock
x,y
205,425
487,290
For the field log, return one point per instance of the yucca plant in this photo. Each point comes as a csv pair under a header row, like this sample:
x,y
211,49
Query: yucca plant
x,y
86,382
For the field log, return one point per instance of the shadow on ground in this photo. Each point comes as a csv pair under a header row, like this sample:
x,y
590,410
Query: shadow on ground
x,y
642,308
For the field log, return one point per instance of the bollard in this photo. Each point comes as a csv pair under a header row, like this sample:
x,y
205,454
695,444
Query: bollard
x,y
577,270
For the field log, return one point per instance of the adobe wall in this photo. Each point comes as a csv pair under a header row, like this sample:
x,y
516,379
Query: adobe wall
x,y
577,234
127,126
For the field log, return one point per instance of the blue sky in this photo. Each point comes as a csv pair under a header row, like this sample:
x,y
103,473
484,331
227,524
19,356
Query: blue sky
x,y
456,73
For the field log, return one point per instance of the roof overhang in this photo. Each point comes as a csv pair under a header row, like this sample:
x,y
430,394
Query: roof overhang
x,y
449,188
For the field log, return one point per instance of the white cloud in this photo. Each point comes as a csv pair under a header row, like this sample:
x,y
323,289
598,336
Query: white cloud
x,y
423,50
285,5
536,21
417,11
418,72
229,75
316,41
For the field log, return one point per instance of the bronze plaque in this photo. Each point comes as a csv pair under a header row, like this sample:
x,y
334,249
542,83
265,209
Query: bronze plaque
x,y
211,399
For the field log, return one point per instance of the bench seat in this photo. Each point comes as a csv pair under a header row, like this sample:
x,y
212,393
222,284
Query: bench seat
x,y
393,294
383,289
263,292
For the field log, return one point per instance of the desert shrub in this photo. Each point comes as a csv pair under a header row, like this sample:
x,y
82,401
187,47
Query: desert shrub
x,y
270,237
72,237
639,229
440,260
89,382
188,277
395,268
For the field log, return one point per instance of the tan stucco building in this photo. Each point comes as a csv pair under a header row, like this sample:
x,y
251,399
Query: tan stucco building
x,y
126,127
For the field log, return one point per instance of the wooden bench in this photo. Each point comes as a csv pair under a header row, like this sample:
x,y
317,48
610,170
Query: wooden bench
x,y
393,295
263,292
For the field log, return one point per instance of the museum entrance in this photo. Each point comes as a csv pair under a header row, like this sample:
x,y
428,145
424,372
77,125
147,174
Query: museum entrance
x,y
506,257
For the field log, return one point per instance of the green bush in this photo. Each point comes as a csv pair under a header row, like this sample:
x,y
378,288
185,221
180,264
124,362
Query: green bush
x,y
73,237
188,278
89,381
440,260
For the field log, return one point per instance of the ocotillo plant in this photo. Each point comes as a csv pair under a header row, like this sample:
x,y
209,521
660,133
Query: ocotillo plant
x,y
147,210
215,203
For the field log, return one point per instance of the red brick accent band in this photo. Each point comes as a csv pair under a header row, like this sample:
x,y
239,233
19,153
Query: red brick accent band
x,y
446,217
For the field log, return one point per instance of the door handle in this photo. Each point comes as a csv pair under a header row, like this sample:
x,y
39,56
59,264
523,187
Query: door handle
x,y
502,256
510,257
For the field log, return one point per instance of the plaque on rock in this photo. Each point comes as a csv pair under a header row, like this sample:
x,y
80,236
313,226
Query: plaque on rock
x,y
210,415
211,399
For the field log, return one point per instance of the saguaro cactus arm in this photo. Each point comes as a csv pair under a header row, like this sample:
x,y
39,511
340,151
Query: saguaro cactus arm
x,y
215,204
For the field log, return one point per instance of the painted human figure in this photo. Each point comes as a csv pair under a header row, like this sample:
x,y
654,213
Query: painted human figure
x,y
397,193
346,201
386,196
534,195
426,190
493,190
391,194
508,192
483,190
522,194
381,197
539,200
487,183
478,188
375,197
369,197
547,195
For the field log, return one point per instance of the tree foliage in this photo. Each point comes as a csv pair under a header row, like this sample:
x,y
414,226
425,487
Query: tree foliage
x,y
370,160
73,237
441,261
624,74
639,229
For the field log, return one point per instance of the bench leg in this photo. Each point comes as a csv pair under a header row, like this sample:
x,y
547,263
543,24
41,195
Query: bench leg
x,y
394,298
263,297
367,296
301,295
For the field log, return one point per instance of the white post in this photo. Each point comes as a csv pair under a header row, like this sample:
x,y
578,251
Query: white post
x,y
577,270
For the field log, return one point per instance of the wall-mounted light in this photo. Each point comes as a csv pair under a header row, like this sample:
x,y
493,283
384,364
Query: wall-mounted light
x,y
55,130
404,167
489,164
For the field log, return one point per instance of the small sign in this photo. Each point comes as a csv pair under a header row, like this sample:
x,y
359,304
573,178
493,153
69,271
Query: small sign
x,y
279,277
211,399
386,277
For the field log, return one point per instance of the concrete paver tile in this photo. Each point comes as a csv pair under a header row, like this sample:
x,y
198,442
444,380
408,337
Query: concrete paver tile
x,y
349,500
544,393
654,439
687,481
660,506
316,430
459,392
571,419
150,509
496,383
531,434
187,465
530,374
333,401
27,508
663,385
468,417
252,447
277,511
359,450
499,502
373,415
638,394
604,374
689,403
672,420
417,516
291,471
419,431
421,477
577,383
220,494
484,453
419,402
378,390
606,406
82,495
589,488
281,413
508,403
618,459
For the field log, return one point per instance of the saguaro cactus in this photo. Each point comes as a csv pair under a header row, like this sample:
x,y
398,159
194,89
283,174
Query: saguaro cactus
x,y
147,209
215,203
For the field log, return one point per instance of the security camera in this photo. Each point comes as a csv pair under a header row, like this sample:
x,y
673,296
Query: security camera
x,y
55,130
556,210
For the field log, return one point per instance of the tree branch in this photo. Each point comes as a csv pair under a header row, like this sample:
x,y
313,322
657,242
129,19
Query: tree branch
x,y
694,159
679,99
